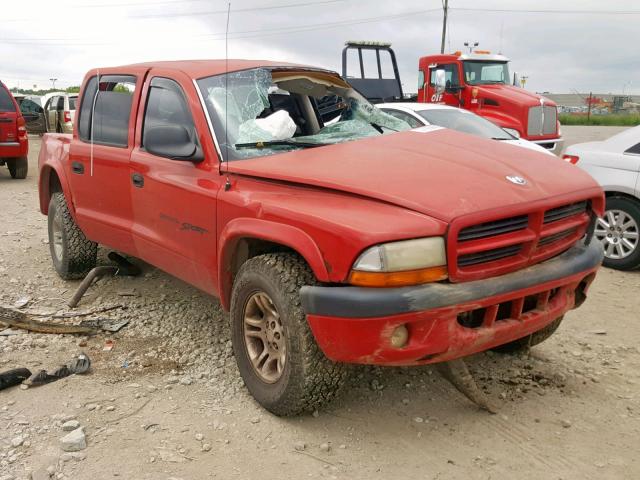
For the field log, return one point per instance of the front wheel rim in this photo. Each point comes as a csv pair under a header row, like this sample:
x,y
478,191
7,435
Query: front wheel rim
x,y
264,337
619,234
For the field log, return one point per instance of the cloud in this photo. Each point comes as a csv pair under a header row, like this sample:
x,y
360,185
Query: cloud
x,y
558,52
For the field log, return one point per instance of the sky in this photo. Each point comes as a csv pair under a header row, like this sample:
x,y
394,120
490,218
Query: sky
x,y
562,46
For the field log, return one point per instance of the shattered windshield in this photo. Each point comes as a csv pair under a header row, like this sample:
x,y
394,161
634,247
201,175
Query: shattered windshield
x,y
254,114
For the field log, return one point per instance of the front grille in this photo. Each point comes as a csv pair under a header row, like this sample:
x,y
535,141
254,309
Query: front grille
x,y
488,255
563,212
542,120
502,245
490,229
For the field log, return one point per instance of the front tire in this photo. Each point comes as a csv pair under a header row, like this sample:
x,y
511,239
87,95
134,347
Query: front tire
x,y
275,350
18,167
525,343
619,232
73,255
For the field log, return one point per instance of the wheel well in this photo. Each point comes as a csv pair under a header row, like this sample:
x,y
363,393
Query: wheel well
x,y
54,183
613,194
245,249
252,247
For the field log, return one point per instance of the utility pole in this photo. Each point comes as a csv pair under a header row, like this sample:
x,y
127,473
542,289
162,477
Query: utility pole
x,y
589,109
445,7
53,82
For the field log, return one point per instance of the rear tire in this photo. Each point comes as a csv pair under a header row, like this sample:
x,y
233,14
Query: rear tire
x,y
525,343
72,254
18,167
278,358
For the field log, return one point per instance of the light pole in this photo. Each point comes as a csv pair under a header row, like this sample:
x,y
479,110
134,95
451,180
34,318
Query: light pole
x,y
53,82
626,84
471,45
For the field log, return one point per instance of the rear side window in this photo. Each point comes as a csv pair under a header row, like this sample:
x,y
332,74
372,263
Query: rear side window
x,y
105,111
167,105
6,105
72,103
634,150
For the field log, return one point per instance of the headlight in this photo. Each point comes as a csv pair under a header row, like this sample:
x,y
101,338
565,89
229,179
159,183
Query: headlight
x,y
513,132
408,262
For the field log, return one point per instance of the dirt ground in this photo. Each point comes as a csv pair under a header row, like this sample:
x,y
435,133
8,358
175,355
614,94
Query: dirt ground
x,y
167,401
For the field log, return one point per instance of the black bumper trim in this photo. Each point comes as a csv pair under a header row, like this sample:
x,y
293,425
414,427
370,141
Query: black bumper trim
x,y
359,302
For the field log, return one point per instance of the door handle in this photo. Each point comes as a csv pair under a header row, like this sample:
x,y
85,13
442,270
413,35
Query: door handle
x,y
138,180
77,167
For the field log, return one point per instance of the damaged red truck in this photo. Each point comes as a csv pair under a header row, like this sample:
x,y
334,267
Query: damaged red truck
x,y
359,241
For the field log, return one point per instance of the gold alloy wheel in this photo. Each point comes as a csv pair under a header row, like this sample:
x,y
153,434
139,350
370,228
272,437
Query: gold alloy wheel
x,y
264,337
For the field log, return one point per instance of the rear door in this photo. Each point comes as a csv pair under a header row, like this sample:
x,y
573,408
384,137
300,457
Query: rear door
x,y
174,201
51,111
8,117
99,155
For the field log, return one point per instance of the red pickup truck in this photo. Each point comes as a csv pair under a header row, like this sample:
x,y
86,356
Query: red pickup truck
x,y
14,143
356,241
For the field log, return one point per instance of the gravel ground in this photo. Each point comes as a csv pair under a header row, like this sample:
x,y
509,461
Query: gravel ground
x,y
167,401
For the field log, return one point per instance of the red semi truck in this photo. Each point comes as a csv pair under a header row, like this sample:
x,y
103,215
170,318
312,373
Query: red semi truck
x,y
358,241
477,81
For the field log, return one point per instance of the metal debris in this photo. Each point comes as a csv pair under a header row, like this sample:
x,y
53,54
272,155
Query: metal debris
x,y
457,373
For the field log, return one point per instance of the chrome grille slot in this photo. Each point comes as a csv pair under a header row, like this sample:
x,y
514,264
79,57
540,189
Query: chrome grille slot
x,y
488,255
496,227
550,120
534,121
565,211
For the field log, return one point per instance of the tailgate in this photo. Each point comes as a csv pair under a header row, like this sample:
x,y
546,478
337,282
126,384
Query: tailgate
x,y
8,129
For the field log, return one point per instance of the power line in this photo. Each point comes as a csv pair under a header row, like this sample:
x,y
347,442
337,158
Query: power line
x,y
187,14
234,35
572,12
235,10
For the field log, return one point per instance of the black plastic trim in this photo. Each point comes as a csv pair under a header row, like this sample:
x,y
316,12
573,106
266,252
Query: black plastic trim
x,y
360,302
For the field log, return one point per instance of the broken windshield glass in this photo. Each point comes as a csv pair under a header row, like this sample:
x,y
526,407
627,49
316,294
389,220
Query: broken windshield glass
x,y
278,115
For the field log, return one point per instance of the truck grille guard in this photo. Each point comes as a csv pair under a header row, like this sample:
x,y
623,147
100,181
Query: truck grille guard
x,y
496,246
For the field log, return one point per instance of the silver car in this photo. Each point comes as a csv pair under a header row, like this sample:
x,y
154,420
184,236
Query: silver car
x,y
615,164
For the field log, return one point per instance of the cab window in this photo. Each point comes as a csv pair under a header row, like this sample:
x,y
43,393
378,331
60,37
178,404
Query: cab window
x,y
167,105
107,123
452,79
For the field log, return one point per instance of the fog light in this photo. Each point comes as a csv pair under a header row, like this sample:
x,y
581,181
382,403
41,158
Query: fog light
x,y
399,336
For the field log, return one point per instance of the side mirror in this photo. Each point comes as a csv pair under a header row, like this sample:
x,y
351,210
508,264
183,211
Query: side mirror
x,y
440,81
172,141
516,79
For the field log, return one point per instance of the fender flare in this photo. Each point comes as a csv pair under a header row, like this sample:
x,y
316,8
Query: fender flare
x,y
44,182
279,233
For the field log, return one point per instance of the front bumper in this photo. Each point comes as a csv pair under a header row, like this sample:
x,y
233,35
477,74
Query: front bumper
x,y
445,320
554,145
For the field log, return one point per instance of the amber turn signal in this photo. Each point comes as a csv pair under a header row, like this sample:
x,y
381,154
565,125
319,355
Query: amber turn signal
x,y
397,279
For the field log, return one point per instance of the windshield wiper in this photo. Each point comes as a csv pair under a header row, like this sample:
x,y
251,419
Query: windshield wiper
x,y
276,143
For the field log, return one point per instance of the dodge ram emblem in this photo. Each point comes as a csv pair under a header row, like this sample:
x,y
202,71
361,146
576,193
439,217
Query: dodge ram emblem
x,y
516,179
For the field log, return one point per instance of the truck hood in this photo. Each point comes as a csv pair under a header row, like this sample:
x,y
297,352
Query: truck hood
x,y
438,172
511,94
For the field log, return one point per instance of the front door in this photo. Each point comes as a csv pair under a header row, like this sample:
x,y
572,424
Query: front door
x,y
100,151
174,201
450,96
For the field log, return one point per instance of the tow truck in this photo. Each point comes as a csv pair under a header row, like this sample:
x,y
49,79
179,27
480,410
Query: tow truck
x,y
478,81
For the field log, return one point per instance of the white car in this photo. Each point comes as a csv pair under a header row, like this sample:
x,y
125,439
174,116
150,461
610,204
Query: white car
x,y
615,163
420,114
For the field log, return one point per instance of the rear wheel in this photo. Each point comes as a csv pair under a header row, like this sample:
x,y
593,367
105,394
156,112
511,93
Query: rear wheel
x,y
277,356
529,341
18,167
619,232
73,255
